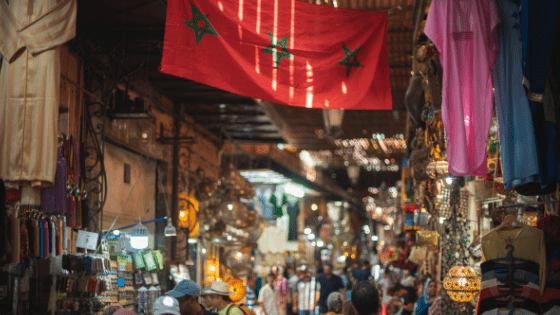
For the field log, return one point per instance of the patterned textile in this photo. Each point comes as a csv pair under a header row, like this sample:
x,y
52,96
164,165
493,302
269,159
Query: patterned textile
x,y
435,309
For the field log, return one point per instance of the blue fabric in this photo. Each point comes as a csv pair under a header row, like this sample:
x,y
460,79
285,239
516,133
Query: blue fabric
x,y
185,287
250,297
40,239
519,276
553,254
492,265
327,286
362,275
300,312
518,149
540,23
422,304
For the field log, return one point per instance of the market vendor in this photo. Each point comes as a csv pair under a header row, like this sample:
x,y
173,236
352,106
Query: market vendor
x,y
221,301
187,292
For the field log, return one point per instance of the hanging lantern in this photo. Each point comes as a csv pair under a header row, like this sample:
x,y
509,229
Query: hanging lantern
x,y
213,269
170,230
188,207
461,283
139,236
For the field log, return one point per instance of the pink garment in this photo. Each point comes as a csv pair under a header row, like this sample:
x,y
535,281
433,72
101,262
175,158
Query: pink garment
x,y
464,32
281,286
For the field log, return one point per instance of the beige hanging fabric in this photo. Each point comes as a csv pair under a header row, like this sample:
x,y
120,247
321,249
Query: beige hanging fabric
x,y
31,32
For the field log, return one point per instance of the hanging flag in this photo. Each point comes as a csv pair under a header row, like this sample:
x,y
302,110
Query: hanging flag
x,y
283,51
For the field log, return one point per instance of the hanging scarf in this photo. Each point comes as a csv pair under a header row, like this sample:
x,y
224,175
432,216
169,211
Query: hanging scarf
x,y
422,304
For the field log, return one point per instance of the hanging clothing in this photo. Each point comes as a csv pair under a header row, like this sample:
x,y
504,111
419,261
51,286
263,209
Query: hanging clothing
x,y
494,247
59,237
29,85
464,33
41,239
518,150
53,199
540,22
3,213
36,238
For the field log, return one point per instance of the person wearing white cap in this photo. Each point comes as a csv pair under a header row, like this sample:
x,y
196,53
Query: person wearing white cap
x,y
166,305
221,301
207,298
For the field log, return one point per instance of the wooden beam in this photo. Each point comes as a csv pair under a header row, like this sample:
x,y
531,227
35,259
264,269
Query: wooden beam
x,y
276,118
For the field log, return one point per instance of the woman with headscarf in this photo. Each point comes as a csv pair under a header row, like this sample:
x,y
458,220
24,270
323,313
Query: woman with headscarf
x,y
335,301
424,303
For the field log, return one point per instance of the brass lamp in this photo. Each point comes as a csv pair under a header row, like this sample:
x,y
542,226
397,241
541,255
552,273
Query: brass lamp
x,y
461,283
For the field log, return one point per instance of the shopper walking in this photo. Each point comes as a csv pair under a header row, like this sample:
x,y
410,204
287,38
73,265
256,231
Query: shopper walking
x,y
407,296
365,298
335,301
166,305
268,296
186,292
293,280
385,284
207,298
281,287
250,296
424,303
364,273
326,284
304,295
221,301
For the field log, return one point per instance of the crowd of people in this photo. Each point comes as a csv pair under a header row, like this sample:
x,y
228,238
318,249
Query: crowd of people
x,y
352,291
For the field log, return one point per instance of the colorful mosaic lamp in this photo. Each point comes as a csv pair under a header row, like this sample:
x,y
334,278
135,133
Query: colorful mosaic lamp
x,y
461,283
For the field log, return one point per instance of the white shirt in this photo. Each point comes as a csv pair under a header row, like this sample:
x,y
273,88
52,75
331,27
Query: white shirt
x,y
385,285
306,294
268,297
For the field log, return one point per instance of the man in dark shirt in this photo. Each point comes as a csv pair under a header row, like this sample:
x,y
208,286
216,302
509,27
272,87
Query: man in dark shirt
x,y
364,274
326,284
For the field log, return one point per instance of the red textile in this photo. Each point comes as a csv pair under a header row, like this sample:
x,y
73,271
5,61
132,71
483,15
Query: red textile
x,y
551,227
311,40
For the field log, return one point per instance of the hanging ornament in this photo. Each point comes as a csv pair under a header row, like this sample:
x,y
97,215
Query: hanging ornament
x,y
188,208
234,212
239,261
461,283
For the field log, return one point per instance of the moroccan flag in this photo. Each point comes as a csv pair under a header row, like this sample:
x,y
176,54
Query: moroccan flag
x,y
283,51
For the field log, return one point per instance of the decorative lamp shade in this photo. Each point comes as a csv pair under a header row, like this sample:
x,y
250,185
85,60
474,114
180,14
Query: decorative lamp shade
x,y
139,236
188,207
461,283
236,213
213,268
237,287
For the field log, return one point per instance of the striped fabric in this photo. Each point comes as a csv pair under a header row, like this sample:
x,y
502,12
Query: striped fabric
x,y
29,86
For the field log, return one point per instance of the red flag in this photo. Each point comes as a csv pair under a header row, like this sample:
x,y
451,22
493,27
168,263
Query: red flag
x,y
283,51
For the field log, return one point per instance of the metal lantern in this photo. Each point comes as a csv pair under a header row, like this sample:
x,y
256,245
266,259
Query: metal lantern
x,y
461,283
212,269
139,236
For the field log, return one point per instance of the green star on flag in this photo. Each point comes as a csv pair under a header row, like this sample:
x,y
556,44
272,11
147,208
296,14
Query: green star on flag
x,y
278,55
348,61
200,31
